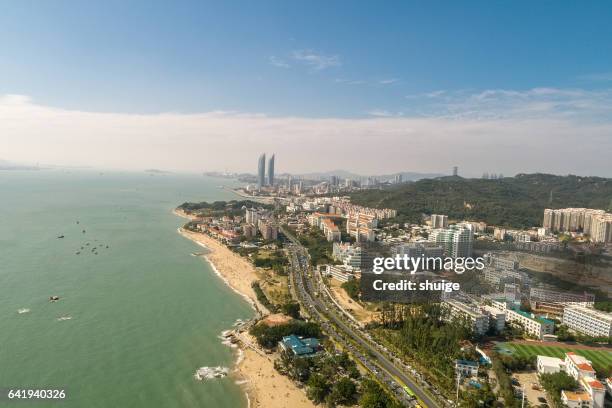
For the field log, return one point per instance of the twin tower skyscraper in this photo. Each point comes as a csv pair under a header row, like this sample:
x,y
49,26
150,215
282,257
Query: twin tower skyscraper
x,y
261,171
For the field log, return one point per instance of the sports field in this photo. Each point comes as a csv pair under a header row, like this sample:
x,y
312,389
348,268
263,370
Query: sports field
x,y
600,358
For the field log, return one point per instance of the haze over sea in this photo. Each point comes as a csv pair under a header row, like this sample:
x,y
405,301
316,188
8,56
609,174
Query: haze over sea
x,y
145,314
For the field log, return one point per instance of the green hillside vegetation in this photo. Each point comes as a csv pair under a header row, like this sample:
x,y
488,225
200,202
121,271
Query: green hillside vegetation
x,y
516,202
217,208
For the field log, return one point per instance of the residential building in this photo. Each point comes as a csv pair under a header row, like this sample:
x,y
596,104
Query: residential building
x,y
541,294
582,370
268,230
532,324
549,365
458,310
466,368
588,321
418,249
361,226
342,273
498,262
497,318
580,399
595,223
439,221
457,240
347,253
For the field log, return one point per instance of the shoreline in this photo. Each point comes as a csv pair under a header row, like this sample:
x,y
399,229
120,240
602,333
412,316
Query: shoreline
x,y
253,369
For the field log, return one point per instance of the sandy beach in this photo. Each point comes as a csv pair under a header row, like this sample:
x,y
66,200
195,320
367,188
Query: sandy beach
x,y
264,386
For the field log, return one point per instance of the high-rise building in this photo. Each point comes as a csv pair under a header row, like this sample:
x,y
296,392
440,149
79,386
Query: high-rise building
x,y
271,171
456,240
261,171
455,171
439,221
595,223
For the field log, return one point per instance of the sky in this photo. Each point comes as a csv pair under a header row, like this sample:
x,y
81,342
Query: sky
x,y
369,87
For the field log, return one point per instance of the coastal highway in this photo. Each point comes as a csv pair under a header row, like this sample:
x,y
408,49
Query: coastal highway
x,y
383,367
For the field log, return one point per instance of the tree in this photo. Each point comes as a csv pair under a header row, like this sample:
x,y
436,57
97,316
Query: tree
x,y
318,388
374,396
291,309
342,393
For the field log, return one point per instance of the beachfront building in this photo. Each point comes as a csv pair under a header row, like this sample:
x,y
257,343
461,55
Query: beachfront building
x,y
588,321
532,324
300,347
478,320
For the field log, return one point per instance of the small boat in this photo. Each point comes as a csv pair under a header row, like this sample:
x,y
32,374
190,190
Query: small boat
x,y
54,298
83,231
60,236
78,253
107,246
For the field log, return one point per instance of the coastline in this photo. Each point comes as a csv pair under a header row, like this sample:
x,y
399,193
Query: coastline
x,y
254,370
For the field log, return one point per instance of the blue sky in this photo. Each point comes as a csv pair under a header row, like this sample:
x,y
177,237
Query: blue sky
x,y
489,86
288,58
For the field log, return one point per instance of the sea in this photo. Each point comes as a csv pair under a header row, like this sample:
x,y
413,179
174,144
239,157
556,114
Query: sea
x,y
137,313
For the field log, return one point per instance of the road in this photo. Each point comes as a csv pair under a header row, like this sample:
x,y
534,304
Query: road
x,y
376,362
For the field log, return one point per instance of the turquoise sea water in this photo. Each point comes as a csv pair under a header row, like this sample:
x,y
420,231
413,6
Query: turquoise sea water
x,y
145,313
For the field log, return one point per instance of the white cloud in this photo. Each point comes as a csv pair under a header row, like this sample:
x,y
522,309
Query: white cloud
x,y
388,81
315,60
278,62
472,139
350,81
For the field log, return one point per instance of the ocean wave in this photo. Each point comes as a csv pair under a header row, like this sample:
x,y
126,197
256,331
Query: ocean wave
x,y
208,373
65,317
23,310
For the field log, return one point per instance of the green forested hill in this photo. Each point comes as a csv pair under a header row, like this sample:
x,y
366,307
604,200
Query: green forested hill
x,y
512,201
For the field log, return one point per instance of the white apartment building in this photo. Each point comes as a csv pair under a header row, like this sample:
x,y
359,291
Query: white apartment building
x,y
549,365
341,273
457,240
480,321
497,318
596,223
533,325
347,253
557,296
581,369
588,321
